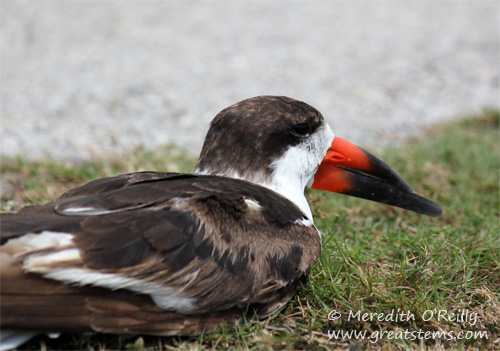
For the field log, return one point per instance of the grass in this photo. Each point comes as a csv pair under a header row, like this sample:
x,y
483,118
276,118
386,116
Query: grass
x,y
375,258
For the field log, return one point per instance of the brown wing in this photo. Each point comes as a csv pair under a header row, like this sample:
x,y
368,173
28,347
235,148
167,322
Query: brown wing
x,y
196,249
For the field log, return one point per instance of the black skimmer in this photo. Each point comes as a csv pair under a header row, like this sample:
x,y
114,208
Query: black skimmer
x,y
176,254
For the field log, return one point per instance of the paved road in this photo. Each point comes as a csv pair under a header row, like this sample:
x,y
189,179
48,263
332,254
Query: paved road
x,y
84,78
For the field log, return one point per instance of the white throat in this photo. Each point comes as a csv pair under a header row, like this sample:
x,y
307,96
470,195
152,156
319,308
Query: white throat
x,y
293,171
296,168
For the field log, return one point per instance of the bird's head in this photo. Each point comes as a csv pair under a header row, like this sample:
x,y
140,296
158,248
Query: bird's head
x,y
285,145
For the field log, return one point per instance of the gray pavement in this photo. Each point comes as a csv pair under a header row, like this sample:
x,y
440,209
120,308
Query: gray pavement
x,y
81,79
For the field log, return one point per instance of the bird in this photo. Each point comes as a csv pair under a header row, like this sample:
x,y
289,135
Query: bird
x,y
160,253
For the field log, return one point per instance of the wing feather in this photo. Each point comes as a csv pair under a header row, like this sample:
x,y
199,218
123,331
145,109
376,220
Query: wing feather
x,y
196,245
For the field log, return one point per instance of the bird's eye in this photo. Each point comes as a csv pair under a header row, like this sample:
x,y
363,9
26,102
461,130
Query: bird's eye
x,y
301,128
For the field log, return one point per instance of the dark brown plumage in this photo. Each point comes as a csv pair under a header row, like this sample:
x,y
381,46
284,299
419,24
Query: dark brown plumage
x,y
161,229
178,254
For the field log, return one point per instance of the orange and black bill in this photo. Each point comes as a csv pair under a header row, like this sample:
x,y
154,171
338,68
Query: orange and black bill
x,y
350,170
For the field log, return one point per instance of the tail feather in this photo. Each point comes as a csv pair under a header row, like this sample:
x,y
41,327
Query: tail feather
x,y
11,339
35,219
